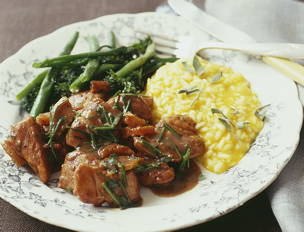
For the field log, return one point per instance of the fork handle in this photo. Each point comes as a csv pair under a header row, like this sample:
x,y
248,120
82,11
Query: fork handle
x,y
281,50
291,69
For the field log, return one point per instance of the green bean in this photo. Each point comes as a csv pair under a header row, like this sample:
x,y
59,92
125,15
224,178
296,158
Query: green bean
x,y
70,45
44,93
93,43
85,76
90,68
165,60
40,77
36,81
62,60
134,64
75,63
105,67
47,83
113,40
152,67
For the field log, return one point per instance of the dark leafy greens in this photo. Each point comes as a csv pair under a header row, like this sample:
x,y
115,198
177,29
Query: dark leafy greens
x,y
125,68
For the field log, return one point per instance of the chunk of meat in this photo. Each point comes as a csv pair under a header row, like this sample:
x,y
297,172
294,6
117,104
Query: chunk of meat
x,y
118,149
71,162
135,126
84,174
77,135
138,131
77,100
99,86
90,116
133,121
63,111
164,148
142,149
25,146
140,106
88,185
157,176
173,136
183,124
189,137
129,162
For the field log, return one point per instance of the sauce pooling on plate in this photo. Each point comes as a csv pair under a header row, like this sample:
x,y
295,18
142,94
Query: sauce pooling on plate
x,y
184,181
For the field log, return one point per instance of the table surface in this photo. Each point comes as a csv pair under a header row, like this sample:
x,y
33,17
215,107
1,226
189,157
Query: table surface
x,y
22,21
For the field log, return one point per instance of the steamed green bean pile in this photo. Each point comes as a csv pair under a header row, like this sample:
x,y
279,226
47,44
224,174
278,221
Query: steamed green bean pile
x,y
126,69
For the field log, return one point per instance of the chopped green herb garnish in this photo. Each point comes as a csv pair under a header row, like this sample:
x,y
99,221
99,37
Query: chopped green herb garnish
x,y
122,201
104,114
53,130
224,119
197,97
225,122
151,147
242,125
110,124
123,175
177,150
185,160
112,194
161,134
116,120
259,112
123,188
216,77
217,111
123,182
172,130
263,107
234,111
126,107
131,94
51,135
187,67
199,69
188,91
116,103
110,120
93,141
103,128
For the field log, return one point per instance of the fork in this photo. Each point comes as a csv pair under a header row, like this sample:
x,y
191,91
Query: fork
x,y
276,55
187,46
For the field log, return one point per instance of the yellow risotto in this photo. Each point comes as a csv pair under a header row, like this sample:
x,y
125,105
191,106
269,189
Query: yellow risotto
x,y
219,100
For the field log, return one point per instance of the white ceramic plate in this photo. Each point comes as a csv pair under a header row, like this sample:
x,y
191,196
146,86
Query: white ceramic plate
x,y
212,197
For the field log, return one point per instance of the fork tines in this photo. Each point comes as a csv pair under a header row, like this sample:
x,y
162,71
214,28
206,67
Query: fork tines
x,y
164,45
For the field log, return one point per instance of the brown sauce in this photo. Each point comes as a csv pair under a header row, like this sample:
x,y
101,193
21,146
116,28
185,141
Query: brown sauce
x,y
184,181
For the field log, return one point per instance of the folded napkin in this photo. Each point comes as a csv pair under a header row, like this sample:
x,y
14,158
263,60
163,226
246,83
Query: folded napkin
x,y
272,21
